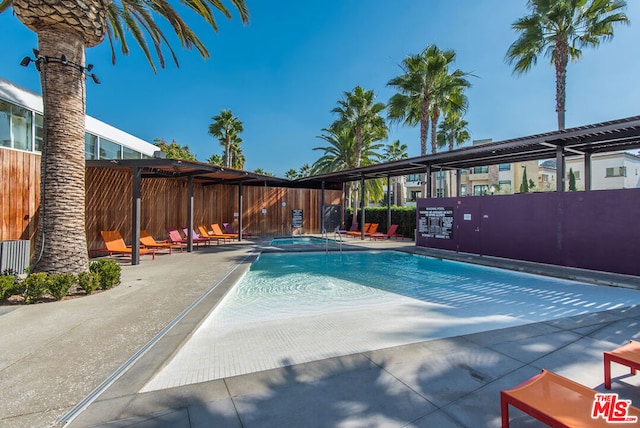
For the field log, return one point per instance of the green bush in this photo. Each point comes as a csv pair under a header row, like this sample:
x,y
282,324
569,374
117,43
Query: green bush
x,y
35,285
108,272
59,284
404,217
88,281
7,286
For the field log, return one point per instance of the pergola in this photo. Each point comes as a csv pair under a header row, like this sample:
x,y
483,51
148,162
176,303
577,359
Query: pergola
x,y
611,136
616,135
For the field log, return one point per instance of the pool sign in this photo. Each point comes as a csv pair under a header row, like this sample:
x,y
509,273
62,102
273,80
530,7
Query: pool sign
x,y
436,222
296,218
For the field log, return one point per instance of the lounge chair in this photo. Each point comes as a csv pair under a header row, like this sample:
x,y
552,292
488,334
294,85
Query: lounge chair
x,y
218,232
627,355
557,402
356,232
149,242
353,228
372,229
229,229
390,233
204,233
176,238
114,244
196,238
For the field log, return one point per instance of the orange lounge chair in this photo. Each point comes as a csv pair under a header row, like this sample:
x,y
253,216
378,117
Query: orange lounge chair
x,y
356,233
627,355
353,228
372,229
218,232
149,242
390,233
204,233
556,401
114,244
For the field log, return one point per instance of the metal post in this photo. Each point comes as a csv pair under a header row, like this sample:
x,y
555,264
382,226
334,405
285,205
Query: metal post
x,y
135,216
362,216
587,171
427,180
560,169
389,202
190,215
458,182
322,229
240,212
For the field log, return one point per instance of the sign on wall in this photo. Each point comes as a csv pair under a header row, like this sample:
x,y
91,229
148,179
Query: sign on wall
x,y
296,218
436,222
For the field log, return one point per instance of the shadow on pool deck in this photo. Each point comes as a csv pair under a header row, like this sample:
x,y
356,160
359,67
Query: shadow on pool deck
x,y
447,382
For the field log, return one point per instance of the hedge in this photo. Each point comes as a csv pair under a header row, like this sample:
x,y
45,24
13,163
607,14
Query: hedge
x,y
404,217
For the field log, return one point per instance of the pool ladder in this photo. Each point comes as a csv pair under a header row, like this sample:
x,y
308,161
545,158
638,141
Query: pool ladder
x,y
326,239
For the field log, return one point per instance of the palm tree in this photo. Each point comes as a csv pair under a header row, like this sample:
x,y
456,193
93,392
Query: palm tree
x,y
215,159
452,131
559,29
449,97
305,170
64,31
226,127
340,154
394,152
360,114
291,174
425,83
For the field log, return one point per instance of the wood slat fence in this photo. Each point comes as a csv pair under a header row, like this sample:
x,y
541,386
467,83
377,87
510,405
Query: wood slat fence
x,y
163,203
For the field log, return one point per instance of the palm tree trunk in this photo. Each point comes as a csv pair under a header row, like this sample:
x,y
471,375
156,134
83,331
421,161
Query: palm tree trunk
x,y
227,152
354,194
435,115
424,126
62,218
561,60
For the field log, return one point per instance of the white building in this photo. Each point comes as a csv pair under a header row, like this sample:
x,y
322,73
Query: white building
x,y
21,128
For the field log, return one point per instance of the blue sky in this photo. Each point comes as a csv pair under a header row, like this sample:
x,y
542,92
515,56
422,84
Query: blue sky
x,y
284,72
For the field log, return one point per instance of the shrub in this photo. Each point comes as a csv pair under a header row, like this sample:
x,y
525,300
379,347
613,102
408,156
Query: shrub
x,y
35,286
59,284
7,286
88,281
108,272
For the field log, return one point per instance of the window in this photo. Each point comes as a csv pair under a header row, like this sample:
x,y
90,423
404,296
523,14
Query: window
x,y
128,153
38,137
480,190
415,194
110,150
480,170
5,124
90,146
616,171
15,126
414,177
463,190
439,193
505,167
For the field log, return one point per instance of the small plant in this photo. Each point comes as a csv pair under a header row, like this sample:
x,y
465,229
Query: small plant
x,y
59,284
88,281
108,271
35,286
7,286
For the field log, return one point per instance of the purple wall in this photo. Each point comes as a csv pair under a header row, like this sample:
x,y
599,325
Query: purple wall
x,y
597,230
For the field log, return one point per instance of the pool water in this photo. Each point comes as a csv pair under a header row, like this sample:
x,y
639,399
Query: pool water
x,y
293,308
310,240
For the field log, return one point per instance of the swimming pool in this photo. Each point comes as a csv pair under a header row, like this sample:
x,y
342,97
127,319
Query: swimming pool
x,y
292,308
307,240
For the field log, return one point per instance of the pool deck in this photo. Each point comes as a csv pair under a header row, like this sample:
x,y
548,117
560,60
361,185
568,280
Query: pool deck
x,y
54,355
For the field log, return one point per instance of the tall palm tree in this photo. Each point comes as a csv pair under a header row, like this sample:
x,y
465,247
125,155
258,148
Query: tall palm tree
x,y
226,127
359,113
559,29
237,156
64,30
449,97
425,82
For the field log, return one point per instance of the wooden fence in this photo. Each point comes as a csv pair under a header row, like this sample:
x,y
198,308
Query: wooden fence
x,y
163,203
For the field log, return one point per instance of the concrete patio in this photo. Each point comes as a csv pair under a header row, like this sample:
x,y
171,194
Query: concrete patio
x,y
54,355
